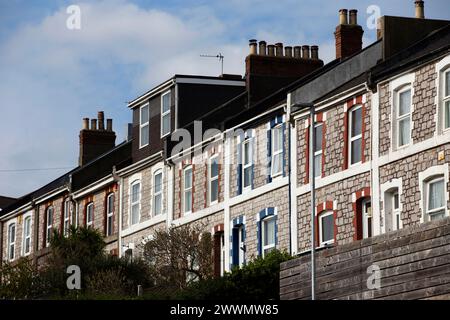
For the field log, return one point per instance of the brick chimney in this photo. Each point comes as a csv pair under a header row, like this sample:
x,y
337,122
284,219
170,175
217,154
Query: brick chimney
x,y
275,66
348,34
95,140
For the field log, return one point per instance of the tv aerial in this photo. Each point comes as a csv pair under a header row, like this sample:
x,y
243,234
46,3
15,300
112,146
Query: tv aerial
x,y
218,56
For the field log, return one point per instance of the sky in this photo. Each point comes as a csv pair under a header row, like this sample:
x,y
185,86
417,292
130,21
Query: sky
x,y
53,76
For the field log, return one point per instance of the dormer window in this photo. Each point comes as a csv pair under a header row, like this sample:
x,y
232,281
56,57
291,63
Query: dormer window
x,y
144,126
165,114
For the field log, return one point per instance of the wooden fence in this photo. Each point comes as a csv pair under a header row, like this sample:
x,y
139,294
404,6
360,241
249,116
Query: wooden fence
x,y
414,263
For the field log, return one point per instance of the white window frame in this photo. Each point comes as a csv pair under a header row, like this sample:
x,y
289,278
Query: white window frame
x,y
222,254
322,215
12,242
246,142
425,177
241,245
399,118
110,214
189,189
89,206
442,67
159,193
142,125
318,153
430,212
49,226
445,99
165,114
396,212
26,237
66,216
357,137
264,246
274,152
365,218
137,202
211,179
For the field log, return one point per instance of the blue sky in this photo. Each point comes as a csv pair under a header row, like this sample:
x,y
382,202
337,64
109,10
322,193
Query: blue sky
x,y
52,77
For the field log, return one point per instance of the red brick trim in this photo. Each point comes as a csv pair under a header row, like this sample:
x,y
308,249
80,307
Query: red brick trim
x,y
357,211
320,208
218,228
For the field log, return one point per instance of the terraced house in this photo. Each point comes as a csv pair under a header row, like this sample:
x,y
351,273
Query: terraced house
x,y
379,116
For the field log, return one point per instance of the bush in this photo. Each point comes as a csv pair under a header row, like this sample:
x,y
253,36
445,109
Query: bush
x,y
258,280
20,280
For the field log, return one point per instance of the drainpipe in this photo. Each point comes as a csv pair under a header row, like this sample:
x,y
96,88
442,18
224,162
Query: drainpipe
x,y
119,231
312,178
1,244
288,121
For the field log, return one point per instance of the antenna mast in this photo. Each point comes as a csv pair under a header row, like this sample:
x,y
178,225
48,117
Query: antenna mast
x,y
218,56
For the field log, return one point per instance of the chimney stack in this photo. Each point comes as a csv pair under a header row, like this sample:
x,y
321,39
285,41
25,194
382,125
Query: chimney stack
x,y
279,49
252,44
93,142
305,52
348,34
262,48
420,11
288,51
275,66
314,52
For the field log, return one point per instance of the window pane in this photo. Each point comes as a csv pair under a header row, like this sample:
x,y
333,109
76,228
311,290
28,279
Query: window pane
x,y
404,131
27,227
214,190
214,168
188,178
135,190
166,102
144,115
158,182
396,201
356,151
49,216
318,165
166,124
111,204
318,138
144,135
447,83
247,153
277,163
277,139
187,201
327,228
135,213
269,232
110,226
12,233
356,122
404,102
436,195
157,204
447,113
247,176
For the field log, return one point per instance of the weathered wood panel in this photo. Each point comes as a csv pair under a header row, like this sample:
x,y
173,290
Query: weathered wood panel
x,y
414,263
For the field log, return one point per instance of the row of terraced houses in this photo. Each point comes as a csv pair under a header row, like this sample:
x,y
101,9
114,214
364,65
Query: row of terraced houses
x,y
381,118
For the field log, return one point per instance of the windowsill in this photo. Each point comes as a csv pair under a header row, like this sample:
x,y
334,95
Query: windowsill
x,y
326,245
277,175
165,135
141,147
354,164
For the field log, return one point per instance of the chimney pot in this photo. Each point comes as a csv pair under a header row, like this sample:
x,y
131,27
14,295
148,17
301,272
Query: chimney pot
x,y
109,125
94,124
271,50
279,49
252,44
85,123
314,52
101,120
262,48
305,53
343,16
288,51
353,17
297,52
420,10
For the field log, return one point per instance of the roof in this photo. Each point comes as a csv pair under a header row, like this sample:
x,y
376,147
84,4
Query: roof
x,y
5,201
